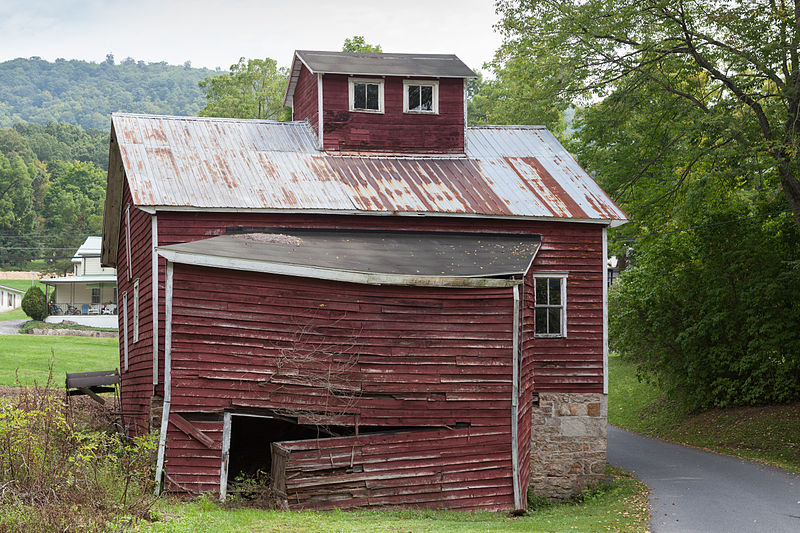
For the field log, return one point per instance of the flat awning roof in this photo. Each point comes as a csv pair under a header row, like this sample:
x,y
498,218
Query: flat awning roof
x,y
87,278
371,257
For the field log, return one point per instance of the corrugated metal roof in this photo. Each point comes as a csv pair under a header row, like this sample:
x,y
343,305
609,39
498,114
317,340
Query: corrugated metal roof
x,y
209,163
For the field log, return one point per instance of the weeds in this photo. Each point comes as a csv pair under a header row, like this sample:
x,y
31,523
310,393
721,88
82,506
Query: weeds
x,y
65,469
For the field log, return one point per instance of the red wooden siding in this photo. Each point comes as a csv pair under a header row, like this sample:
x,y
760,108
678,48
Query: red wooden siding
x,y
466,468
305,100
573,364
422,357
137,381
392,130
192,466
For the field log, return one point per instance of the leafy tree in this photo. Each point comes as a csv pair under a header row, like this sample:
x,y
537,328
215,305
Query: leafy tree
x,y
33,303
358,44
17,218
736,62
253,89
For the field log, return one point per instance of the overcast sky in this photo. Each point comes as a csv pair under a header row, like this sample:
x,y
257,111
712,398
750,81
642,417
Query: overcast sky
x,y
215,33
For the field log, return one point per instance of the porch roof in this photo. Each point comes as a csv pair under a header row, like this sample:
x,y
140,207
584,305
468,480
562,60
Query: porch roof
x,y
87,278
372,257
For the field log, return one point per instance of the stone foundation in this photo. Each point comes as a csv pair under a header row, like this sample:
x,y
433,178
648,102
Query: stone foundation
x,y
568,443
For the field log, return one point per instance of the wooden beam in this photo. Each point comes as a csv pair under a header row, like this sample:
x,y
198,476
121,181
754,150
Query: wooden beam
x,y
184,425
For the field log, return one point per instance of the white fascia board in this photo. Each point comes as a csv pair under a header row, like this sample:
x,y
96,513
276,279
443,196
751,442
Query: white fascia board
x,y
333,275
183,208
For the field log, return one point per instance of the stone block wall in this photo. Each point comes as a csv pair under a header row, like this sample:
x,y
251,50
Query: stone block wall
x,y
568,443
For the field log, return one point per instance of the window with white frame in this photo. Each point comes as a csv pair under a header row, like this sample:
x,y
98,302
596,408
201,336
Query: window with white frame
x,y
366,95
96,295
550,307
136,310
420,96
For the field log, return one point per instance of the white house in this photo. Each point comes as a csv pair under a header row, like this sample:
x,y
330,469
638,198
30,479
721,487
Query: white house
x,y
10,298
89,295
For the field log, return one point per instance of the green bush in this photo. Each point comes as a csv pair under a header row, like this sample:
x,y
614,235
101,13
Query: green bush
x,y
33,303
713,314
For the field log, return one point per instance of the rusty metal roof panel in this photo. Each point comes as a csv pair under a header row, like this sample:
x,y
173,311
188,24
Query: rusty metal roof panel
x,y
208,163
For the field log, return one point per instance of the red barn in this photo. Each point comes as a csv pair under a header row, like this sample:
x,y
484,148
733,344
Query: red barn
x,y
373,302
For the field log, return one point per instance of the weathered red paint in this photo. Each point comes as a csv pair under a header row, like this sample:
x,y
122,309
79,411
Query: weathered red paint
x,y
390,131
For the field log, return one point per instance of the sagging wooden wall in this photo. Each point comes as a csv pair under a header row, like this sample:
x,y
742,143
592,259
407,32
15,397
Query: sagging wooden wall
x,y
403,357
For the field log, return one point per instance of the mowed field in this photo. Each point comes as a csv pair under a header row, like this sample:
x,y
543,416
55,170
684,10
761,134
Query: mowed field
x,y
26,359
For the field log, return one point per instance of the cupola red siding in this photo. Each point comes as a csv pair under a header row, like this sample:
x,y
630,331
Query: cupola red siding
x,y
390,131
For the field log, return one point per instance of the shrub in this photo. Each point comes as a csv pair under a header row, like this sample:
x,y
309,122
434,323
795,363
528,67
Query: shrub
x,y
60,473
33,303
714,313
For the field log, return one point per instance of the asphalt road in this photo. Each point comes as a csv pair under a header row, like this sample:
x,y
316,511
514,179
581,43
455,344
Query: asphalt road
x,y
697,491
10,327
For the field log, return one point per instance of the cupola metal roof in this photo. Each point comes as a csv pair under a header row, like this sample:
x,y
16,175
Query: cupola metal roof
x,y
376,64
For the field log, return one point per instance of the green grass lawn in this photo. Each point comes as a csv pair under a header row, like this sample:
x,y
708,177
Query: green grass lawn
x,y
770,434
16,314
26,358
617,506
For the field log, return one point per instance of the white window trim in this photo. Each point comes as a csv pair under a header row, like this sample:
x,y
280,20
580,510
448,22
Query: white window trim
x,y
563,277
430,83
136,310
128,240
125,330
351,94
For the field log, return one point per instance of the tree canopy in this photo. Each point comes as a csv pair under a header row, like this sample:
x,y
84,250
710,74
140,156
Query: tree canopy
x,y
253,89
358,44
85,93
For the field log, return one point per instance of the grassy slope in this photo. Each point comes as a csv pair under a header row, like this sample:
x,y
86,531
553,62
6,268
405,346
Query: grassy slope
x,y
621,506
26,358
769,434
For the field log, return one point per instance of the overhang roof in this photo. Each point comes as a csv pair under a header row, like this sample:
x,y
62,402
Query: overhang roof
x,y
11,289
90,247
88,278
207,164
372,257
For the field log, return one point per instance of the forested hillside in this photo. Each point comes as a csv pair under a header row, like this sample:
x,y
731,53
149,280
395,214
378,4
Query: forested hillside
x,y
83,93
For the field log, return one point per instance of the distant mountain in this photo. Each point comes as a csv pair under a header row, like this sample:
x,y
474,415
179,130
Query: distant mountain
x,y
84,93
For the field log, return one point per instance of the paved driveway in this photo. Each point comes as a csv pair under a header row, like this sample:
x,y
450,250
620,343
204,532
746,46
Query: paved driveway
x,y
697,491
11,327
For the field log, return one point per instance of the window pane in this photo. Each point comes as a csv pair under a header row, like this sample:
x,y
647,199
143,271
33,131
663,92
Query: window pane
x,y
554,322
426,103
555,291
541,290
360,95
413,97
540,320
372,96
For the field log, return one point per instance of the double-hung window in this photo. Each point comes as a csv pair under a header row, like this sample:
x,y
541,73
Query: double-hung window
x,y
550,307
366,95
421,96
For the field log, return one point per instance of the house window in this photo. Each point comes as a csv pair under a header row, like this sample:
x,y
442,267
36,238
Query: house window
x,y
96,295
420,96
128,240
550,308
10,300
136,310
366,95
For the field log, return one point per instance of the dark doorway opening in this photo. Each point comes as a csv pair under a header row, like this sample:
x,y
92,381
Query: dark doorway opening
x,y
251,437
